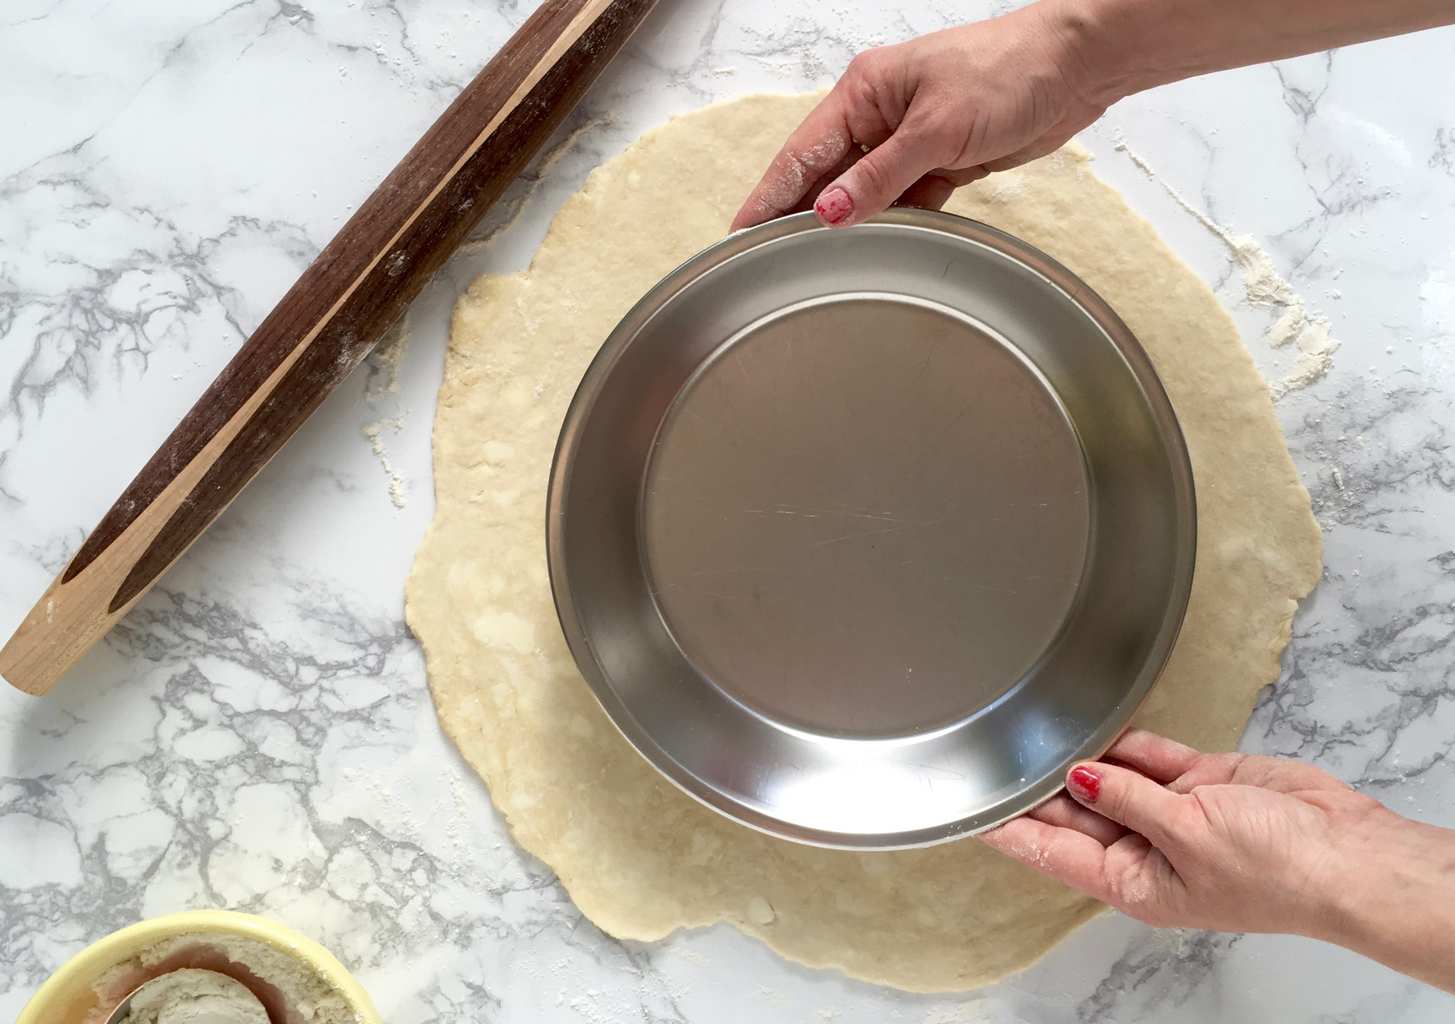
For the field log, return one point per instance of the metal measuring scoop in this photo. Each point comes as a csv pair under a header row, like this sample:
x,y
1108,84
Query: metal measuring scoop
x,y
215,998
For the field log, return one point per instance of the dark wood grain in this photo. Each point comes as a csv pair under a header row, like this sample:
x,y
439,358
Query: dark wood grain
x,y
379,295
358,286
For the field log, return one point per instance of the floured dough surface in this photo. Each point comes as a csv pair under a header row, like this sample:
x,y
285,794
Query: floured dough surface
x,y
640,858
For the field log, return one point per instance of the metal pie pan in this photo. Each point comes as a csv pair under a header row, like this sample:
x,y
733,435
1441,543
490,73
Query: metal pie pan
x,y
863,537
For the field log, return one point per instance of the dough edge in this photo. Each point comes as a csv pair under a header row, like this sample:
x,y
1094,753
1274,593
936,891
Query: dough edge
x,y
1058,224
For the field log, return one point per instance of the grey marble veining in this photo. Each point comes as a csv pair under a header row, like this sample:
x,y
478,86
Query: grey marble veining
x,y
258,733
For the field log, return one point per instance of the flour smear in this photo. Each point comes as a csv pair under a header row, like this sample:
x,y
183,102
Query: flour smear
x,y
1264,287
374,433
381,384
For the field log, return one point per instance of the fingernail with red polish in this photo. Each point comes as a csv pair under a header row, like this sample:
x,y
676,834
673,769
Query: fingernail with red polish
x,y
1084,783
834,206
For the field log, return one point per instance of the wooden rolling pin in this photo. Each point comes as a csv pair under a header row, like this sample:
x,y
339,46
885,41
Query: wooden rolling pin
x,y
329,320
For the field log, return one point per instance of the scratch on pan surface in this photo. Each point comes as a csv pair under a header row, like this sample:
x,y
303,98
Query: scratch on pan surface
x,y
1264,287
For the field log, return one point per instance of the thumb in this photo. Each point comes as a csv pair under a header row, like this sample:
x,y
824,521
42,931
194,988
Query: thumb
x,y
1128,798
877,179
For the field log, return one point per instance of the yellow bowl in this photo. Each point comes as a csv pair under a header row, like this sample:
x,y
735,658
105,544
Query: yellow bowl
x,y
68,996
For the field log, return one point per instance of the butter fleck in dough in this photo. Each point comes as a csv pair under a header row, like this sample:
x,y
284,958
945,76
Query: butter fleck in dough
x,y
640,858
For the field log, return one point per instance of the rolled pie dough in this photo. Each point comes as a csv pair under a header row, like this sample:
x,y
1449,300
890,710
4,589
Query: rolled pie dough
x,y
640,858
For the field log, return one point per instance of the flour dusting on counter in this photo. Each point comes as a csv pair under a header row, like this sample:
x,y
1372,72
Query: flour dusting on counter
x,y
1265,288
965,1013
383,363
398,493
381,383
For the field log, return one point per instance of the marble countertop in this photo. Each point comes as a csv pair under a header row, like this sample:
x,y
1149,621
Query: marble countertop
x,y
257,734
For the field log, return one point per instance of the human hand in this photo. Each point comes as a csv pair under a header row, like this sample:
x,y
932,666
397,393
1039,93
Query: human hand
x,y
1231,842
910,123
